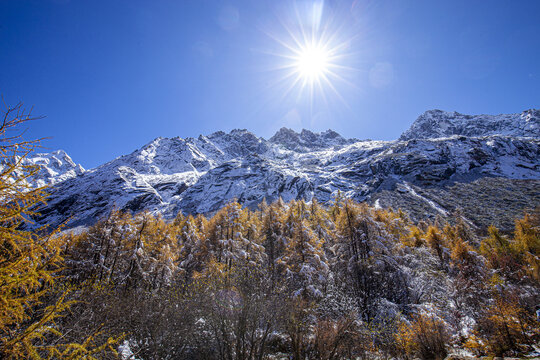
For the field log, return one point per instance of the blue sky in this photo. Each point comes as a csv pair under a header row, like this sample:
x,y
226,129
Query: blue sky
x,y
112,75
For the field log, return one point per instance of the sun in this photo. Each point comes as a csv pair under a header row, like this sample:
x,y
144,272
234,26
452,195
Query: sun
x,y
311,53
312,62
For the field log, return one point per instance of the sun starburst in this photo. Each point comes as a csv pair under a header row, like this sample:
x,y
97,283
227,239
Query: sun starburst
x,y
312,62
311,52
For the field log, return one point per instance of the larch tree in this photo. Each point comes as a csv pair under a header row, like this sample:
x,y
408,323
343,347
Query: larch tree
x,y
527,242
304,262
365,260
30,260
193,252
96,254
273,240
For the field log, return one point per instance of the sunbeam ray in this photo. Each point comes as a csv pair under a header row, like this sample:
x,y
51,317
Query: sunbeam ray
x,y
312,55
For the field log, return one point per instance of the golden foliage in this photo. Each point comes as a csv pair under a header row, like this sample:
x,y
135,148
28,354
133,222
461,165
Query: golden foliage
x,y
518,256
505,327
527,242
436,241
29,261
425,337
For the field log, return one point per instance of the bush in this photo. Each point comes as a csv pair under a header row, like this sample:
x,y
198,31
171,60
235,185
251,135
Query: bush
x,y
424,337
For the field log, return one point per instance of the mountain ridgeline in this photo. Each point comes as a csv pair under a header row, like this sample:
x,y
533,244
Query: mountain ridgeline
x,y
485,166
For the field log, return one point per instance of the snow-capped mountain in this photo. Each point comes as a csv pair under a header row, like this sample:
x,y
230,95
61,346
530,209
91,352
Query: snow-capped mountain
x,y
199,175
306,140
53,168
437,124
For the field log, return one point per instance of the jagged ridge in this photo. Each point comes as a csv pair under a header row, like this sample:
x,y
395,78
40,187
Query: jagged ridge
x,y
200,175
438,123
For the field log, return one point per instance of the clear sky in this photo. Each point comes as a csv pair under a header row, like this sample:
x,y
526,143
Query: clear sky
x,y
112,75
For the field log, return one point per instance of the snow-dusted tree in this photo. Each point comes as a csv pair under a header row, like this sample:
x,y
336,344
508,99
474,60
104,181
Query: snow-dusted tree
x,y
151,253
193,249
272,234
163,252
96,253
228,232
319,220
365,259
304,263
251,241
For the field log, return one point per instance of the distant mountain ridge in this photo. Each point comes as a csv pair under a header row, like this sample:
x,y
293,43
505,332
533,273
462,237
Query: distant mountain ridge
x,y
53,167
438,123
307,140
199,175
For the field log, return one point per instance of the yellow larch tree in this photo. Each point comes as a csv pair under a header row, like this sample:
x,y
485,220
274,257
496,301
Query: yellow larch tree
x,y
30,260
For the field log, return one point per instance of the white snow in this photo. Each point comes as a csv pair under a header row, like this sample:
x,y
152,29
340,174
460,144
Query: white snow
x,y
430,202
437,123
199,175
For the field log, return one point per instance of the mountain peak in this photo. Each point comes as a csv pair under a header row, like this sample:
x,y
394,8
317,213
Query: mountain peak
x,y
54,167
438,124
239,132
284,131
307,140
199,175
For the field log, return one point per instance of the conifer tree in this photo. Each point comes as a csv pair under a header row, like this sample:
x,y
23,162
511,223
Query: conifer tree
x,y
527,242
232,234
193,249
304,262
30,260
251,240
501,255
436,242
95,253
273,239
364,259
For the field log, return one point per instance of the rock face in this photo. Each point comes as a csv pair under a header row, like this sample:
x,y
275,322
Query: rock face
x,y
307,141
168,175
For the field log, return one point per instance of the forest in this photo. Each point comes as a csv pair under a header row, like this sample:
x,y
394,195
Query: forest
x,y
296,280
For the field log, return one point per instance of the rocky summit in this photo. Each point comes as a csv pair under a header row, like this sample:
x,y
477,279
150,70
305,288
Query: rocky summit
x,y
445,162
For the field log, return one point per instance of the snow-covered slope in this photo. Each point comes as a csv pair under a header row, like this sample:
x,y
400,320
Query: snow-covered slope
x,y
54,167
306,140
200,175
437,123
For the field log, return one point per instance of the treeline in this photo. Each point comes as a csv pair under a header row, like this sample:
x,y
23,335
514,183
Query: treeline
x,y
295,280
305,281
